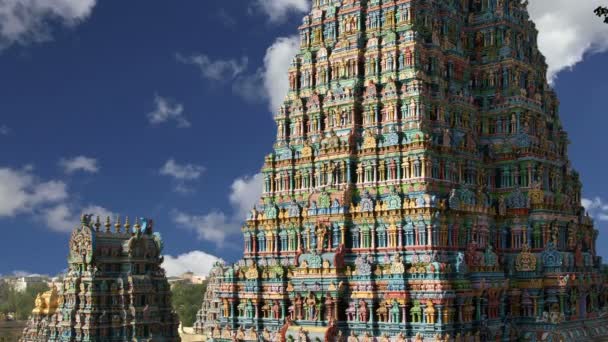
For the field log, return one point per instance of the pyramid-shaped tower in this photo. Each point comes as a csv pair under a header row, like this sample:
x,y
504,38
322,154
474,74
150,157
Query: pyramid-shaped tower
x,y
114,289
419,188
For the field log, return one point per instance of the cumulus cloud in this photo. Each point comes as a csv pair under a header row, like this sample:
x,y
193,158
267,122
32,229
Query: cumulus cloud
x,y
22,192
596,207
168,110
182,173
4,130
270,83
26,21
567,31
276,62
197,262
244,194
216,70
79,163
277,10
217,226
64,217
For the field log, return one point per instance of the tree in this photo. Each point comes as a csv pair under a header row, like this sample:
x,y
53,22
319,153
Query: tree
x,y
602,11
20,303
187,300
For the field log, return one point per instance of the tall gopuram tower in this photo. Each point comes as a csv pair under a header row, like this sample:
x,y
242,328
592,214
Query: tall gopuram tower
x,y
114,289
419,188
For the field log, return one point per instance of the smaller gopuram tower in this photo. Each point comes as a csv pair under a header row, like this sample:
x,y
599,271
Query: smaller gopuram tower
x,y
114,288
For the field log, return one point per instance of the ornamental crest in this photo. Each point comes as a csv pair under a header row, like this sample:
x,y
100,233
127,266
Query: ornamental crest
x,y
525,261
293,209
517,200
367,203
270,212
490,257
314,260
393,200
306,151
397,266
551,257
82,244
391,139
252,273
364,266
324,200
369,141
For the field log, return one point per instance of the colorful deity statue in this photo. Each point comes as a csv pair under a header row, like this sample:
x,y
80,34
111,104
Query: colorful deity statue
x,y
420,176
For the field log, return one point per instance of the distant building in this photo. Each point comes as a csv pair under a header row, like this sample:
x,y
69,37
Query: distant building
x,y
187,278
21,284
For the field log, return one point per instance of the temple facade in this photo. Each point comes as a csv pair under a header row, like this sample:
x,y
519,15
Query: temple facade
x,y
114,289
419,188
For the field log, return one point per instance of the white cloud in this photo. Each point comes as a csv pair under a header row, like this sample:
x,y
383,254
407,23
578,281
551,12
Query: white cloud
x,y
216,70
596,207
567,30
22,192
276,63
4,130
271,82
25,21
64,218
214,226
246,191
217,226
197,262
277,10
181,172
80,163
168,110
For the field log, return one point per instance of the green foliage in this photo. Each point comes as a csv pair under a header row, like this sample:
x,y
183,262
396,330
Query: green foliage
x,y
21,303
602,11
187,300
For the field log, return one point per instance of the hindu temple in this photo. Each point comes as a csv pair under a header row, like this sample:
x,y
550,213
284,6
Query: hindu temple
x,y
114,289
419,189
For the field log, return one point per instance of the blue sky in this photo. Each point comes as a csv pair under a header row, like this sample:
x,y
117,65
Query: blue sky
x,y
163,109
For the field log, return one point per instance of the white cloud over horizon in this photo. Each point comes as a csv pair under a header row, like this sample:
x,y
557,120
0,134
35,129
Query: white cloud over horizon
x,y
216,226
79,163
168,110
29,21
568,30
197,262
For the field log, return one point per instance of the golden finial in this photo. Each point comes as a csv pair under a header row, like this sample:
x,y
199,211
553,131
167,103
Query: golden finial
x,y
127,225
137,226
117,225
97,224
108,225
